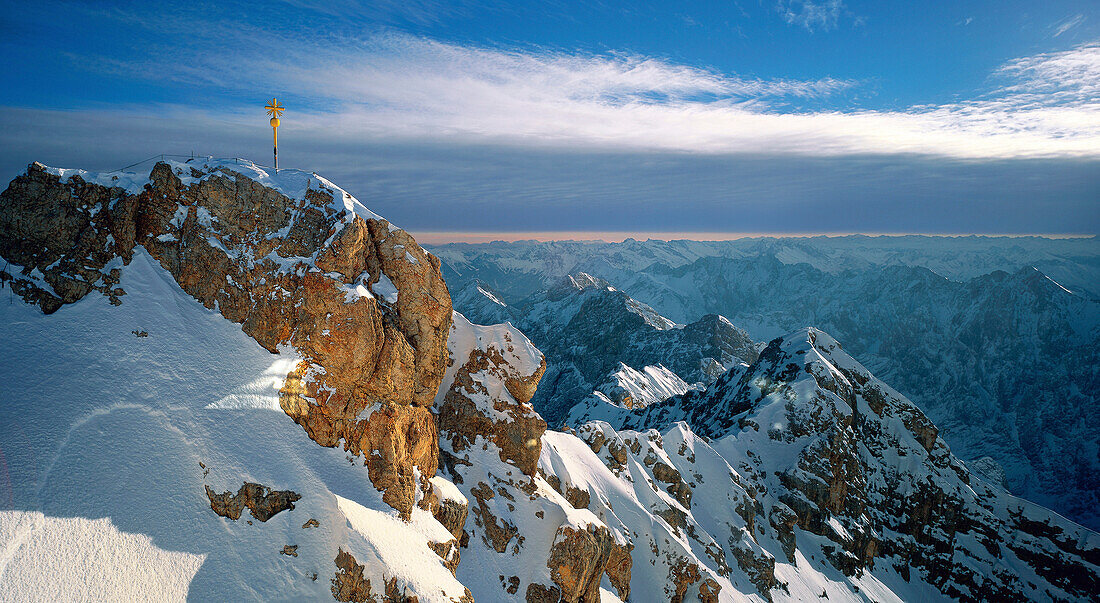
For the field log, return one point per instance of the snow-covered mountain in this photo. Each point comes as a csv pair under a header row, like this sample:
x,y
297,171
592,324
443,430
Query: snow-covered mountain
x,y
518,269
213,391
235,385
1004,361
839,487
590,330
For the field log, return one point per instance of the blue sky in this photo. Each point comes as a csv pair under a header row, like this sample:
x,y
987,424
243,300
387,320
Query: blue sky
x,y
740,116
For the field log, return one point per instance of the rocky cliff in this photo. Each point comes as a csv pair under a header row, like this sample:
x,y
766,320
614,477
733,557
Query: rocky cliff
x,y
294,259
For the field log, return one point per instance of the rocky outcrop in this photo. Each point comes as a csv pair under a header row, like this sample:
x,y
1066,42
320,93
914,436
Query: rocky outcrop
x,y
291,257
578,560
349,584
618,569
491,440
261,501
493,376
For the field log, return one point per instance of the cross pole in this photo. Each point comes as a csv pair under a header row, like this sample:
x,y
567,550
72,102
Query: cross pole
x,y
275,110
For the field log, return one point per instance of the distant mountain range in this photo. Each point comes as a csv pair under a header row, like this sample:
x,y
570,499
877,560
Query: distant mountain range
x,y
1002,355
590,330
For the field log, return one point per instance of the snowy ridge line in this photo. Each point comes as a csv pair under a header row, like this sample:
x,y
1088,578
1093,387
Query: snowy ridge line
x,y
288,181
164,156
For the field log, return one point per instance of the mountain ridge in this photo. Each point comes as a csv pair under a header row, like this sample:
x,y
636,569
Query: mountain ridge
x,y
1000,360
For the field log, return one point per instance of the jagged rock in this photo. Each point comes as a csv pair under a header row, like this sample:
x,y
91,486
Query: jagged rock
x,y
261,501
577,497
290,550
348,584
577,561
682,576
540,593
619,565
494,374
452,515
448,552
708,591
498,532
359,300
676,486
312,523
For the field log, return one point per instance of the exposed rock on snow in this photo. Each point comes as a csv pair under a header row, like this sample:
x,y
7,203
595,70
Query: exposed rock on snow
x,y
262,502
521,528
487,394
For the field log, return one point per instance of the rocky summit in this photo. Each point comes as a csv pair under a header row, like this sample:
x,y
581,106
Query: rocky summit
x,y
233,384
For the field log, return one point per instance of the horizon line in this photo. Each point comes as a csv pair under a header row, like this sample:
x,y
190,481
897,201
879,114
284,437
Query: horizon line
x,y
618,236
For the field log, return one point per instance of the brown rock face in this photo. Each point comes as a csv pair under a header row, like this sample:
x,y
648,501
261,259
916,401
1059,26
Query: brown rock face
x,y
68,233
453,516
360,301
469,409
262,502
349,585
577,561
619,565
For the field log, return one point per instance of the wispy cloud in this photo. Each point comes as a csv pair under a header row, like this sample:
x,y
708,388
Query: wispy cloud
x,y
1067,24
403,87
1070,77
813,15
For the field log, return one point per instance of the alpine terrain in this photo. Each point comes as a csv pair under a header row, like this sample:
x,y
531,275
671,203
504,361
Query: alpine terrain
x,y
231,384
996,338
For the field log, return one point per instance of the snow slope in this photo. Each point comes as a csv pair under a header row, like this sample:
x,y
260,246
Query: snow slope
x,y
102,433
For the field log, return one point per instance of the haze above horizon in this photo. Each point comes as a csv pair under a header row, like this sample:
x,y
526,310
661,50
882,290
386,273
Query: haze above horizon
x,y
444,238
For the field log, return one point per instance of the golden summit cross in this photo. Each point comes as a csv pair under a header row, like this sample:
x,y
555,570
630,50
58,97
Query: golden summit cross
x,y
275,110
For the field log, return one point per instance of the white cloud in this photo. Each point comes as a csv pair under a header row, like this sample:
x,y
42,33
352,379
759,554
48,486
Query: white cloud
x,y
411,88
812,15
1071,76
1067,24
